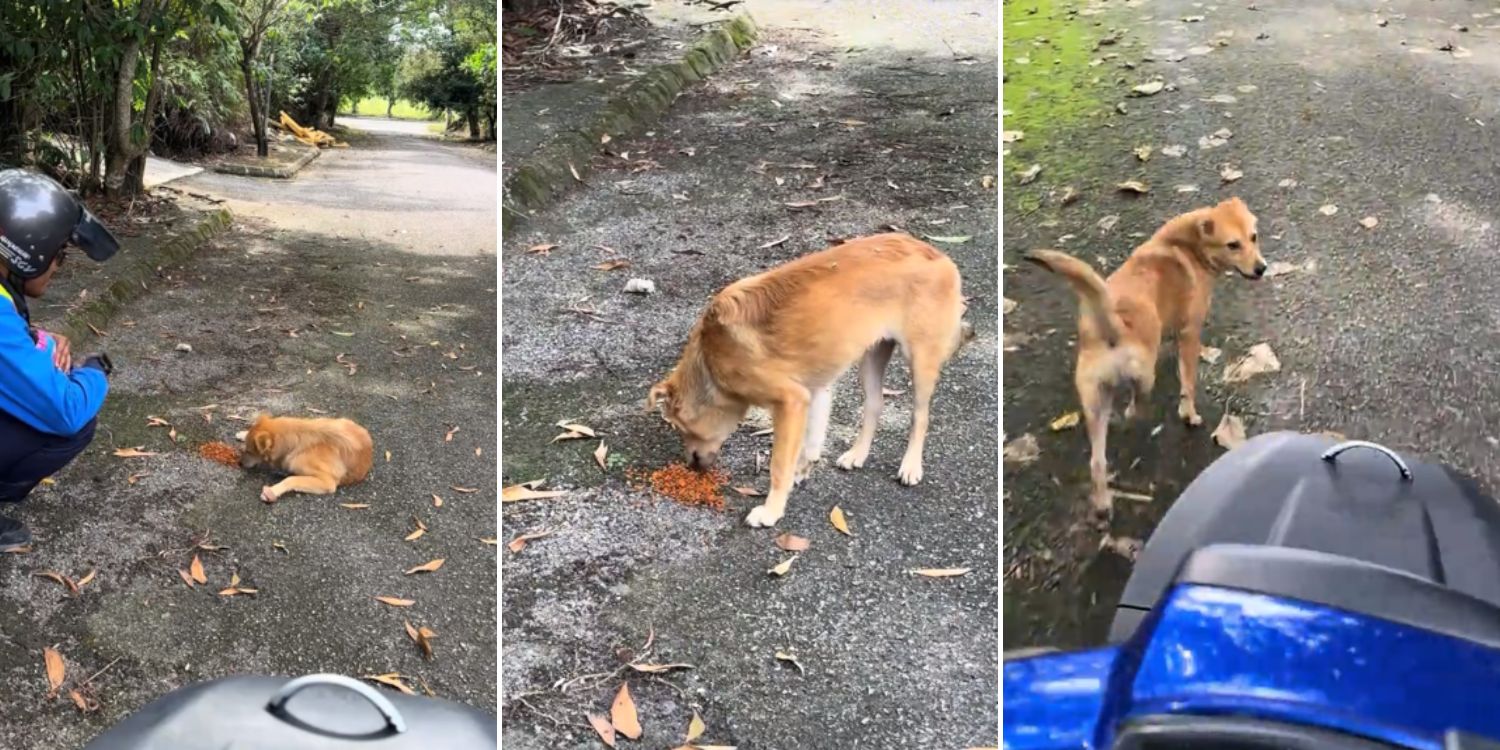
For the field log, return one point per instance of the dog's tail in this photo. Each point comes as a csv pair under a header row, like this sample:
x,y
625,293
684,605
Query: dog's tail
x,y
1093,295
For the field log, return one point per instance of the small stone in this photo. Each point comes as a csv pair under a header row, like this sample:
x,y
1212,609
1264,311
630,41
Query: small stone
x,y
184,347
640,286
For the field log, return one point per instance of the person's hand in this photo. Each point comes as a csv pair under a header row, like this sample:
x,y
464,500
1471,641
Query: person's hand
x,y
100,362
62,352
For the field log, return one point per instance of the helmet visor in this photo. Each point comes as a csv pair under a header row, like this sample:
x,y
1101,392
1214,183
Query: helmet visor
x,y
94,238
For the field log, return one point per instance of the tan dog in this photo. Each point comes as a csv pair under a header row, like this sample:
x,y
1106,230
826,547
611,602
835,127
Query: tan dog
x,y
1165,286
320,455
779,339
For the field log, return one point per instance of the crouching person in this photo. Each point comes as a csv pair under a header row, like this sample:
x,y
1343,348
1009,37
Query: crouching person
x,y
49,399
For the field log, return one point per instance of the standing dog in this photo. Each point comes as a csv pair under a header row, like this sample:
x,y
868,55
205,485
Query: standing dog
x,y
779,339
1164,286
321,455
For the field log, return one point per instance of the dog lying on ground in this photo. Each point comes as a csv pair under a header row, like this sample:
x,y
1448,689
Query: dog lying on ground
x,y
320,455
1165,286
780,339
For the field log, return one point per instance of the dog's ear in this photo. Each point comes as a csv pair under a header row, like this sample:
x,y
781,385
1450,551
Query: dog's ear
x,y
1206,227
263,443
660,393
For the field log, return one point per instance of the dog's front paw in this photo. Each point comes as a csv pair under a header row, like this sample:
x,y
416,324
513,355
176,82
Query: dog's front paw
x,y
804,469
852,460
1189,414
762,516
269,494
910,472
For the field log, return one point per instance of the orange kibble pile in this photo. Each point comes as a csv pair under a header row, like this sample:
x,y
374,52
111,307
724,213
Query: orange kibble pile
x,y
684,485
223,453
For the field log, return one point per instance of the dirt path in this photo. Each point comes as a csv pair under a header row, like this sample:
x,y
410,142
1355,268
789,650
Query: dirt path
x,y
1388,336
889,136
285,318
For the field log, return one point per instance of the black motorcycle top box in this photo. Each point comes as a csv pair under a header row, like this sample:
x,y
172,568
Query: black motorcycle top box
x,y
1309,492
322,712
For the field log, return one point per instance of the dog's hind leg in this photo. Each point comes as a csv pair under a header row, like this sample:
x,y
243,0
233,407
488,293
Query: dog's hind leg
x,y
817,431
789,420
308,485
1097,402
1188,349
871,377
926,364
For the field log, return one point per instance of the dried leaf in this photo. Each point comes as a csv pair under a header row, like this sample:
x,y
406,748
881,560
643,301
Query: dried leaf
x,y
84,704
941,572
392,679
792,543
448,438
87,577
519,543
135,452
1369,222
186,577
426,567
773,243
604,728
418,532
1148,89
61,580
1133,186
955,240
836,517
354,506
1142,152
748,491
395,602
1259,361
437,502
599,455
196,569
614,264
1065,422
422,637
1022,450
1230,433
784,567
1028,176
786,657
463,490
623,716
56,669
489,540
695,728
544,248
1328,209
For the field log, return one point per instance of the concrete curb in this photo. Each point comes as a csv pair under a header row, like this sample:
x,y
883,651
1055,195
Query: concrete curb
x,y
550,170
131,283
257,170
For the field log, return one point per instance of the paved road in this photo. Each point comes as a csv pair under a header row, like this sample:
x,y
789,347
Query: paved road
x,y
1391,337
892,660
286,316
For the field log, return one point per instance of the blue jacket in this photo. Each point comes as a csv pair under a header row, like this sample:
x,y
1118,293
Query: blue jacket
x,y
33,390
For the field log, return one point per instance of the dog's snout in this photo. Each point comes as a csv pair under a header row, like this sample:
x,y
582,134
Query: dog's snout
x,y
1260,269
702,461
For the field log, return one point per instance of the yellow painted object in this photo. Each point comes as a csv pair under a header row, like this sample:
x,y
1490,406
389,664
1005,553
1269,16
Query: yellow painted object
x,y
310,136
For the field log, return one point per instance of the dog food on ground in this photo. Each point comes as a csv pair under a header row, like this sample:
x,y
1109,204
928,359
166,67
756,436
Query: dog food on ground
x,y
684,485
223,453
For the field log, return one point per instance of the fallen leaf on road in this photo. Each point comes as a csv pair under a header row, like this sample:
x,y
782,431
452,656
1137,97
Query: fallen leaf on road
x,y
135,452
622,714
792,543
56,669
1148,89
83,703
1136,496
955,240
426,567
354,506
1230,172
599,455
941,572
1369,222
658,668
518,492
1260,360
186,577
1028,176
519,543
574,170
1230,433
836,517
1142,152
695,728
280,546
987,182
87,577
605,730
1007,305
417,532
1022,450
1064,422
61,580
1133,186
1211,354
773,243
492,541
542,249
196,569
448,438
395,602
1011,136
392,679
422,637
748,491
157,422
437,500
791,659
613,264
1328,209
463,490
784,567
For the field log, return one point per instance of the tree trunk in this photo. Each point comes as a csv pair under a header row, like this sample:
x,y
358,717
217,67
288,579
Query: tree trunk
x,y
472,115
390,104
135,170
118,149
248,51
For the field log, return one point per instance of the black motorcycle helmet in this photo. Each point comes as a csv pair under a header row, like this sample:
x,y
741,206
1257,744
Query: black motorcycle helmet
x,y
38,218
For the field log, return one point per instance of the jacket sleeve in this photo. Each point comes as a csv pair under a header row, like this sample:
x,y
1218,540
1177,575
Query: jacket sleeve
x,y
34,391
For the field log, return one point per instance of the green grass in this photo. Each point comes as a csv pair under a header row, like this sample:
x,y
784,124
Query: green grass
x,y
1058,87
374,106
